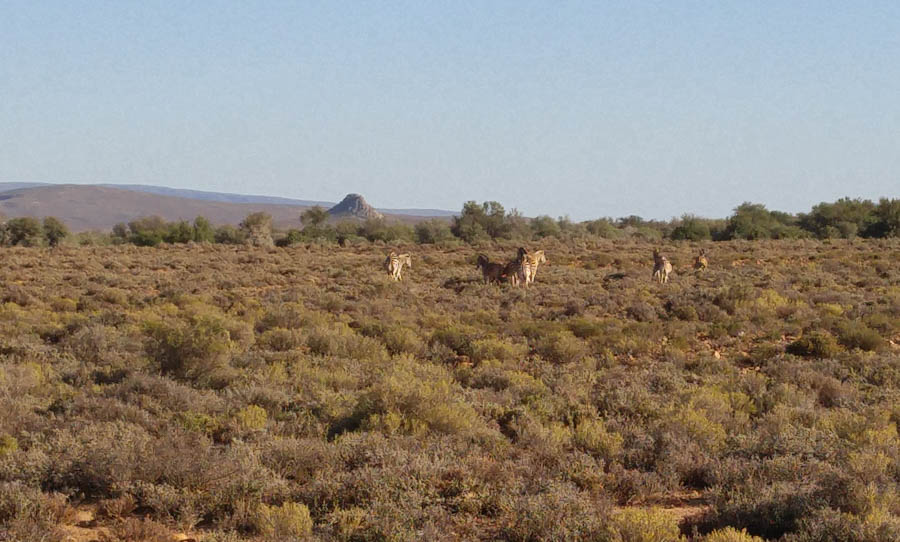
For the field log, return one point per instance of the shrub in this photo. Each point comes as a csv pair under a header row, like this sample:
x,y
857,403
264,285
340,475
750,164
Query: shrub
x,y
24,231
816,344
196,349
433,231
285,522
644,525
456,339
54,231
593,437
691,228
147,231
853,334
257,229
229,235
562,347
730,534
8,445
280,339
251,418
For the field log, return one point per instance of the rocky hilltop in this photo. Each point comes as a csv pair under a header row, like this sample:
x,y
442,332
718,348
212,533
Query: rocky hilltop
x,y
354,205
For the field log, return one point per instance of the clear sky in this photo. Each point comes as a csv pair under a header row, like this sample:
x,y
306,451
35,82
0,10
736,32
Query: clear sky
x,y
587,109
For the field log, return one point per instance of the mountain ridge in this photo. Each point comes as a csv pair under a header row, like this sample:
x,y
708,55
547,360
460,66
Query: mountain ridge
x,y
95,207
227,197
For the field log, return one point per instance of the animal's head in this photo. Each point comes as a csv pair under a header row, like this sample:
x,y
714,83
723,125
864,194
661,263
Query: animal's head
x,y
522,252
406,259
539,257
482,261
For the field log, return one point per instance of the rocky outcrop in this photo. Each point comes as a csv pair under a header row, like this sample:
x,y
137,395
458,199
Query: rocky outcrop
x,y
355,206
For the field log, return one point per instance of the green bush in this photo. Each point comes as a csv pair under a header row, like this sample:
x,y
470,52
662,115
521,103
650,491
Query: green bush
x,y
730,534
644,525
853,334
594,438
433,231
817,344
691,228
285,522
195,349
562,347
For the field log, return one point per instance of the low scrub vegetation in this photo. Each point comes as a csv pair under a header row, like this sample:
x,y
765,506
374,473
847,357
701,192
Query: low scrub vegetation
x,y
256,392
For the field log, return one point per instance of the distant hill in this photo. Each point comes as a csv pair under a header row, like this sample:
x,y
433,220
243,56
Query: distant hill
x,y
96,207
216,196
354,206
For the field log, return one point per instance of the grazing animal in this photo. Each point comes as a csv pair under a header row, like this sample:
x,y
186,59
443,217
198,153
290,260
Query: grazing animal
x,y
492,271
661,267
515,270
394,264
530,263
700,262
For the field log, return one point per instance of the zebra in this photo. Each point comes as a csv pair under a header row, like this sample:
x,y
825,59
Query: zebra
x,y
661,267
394,264
515,270
530,263
700,262
492,271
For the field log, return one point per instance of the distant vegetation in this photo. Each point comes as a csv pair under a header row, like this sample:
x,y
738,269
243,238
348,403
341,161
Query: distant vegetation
x,y
844,219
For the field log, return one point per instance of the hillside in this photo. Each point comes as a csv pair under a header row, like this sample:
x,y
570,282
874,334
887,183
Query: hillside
x,y
94,207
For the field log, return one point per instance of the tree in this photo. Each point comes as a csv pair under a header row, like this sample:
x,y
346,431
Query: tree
x,y
229,235
844,218
544,226
147,231
691,228
432,231
314,217
54,231
258,229
886,222
486,220
120,233
25,231
179,232
314,227
203,230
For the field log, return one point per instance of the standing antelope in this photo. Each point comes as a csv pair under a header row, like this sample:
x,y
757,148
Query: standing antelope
x,y
661,267
530,263
700,262
394,264
492,271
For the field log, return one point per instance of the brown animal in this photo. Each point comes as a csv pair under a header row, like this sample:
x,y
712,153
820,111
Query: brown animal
x,y
661,267
700,262
492,271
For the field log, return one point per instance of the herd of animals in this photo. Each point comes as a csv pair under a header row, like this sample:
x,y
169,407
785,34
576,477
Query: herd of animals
x,y
523,269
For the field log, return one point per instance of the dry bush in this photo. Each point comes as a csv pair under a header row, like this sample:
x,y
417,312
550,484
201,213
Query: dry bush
x,y
209,386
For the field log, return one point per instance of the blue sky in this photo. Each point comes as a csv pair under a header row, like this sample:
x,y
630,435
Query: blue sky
x,y
585,109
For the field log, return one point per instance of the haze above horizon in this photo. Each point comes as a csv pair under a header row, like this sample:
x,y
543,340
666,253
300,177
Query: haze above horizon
x,y
572,108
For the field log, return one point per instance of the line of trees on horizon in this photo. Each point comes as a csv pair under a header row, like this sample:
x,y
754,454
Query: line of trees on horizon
x,y
845,218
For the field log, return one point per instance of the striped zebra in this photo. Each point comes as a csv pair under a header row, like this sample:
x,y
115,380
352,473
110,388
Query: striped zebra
x,y
491,271
394,264
515,270
700,262
661,267
530,263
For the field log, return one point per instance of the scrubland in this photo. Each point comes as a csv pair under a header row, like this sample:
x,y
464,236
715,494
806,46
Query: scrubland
x,y
231,393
